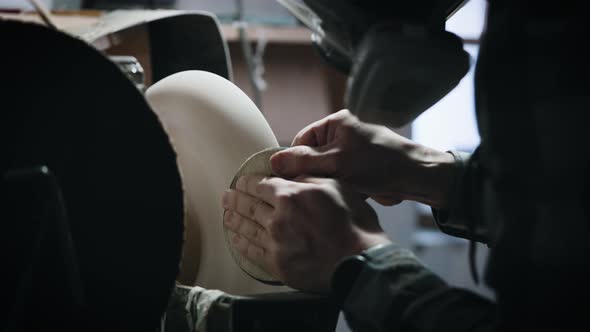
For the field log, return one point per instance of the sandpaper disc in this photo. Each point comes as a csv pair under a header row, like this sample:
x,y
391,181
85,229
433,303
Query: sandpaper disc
x,y
67,107
258,164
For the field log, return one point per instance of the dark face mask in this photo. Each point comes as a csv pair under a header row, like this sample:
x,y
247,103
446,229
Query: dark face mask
x,y
399,62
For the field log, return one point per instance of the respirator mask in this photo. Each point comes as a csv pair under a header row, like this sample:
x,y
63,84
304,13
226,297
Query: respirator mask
x,y
397,55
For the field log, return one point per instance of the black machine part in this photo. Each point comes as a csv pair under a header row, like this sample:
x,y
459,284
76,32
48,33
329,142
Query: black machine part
x,y
69,108
398,57
43,287
285,311
288,312
91,202
397,75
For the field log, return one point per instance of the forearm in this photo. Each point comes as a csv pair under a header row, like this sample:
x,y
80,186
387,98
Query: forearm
x,y
433,177
449,182
426,176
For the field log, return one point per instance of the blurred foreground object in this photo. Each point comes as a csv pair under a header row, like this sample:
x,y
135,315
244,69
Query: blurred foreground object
x,y
399,61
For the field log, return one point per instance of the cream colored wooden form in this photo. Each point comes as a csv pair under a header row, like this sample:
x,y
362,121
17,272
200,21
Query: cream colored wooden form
x,y
214,127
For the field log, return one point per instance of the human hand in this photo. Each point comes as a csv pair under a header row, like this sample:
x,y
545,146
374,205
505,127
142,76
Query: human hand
x,y
299,230
372,159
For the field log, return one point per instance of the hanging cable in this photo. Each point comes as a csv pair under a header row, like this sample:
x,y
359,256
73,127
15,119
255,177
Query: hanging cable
x,y
43,13
253,63
258,59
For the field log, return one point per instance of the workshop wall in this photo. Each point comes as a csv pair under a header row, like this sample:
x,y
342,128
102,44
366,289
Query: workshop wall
x,y
300,89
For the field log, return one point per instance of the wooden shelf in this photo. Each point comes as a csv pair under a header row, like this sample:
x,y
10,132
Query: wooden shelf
x,y
62,20
272,34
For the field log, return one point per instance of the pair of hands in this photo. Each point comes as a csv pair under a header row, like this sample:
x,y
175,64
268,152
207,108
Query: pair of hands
x,y
299,229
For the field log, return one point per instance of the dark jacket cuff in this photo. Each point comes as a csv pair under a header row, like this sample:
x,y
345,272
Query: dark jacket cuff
x,y
391,281
455,220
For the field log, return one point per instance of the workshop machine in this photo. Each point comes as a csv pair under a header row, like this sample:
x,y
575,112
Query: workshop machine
x,y
91,236
78,152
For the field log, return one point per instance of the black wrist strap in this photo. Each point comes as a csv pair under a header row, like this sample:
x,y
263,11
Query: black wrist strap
x,y
349,269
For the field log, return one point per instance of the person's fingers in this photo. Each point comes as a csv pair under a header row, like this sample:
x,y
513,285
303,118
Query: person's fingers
x,y
307,135
248,206
322,131
302,159
262,187
255,185
248,249
255,254
384,199
349,193
314,179
247,228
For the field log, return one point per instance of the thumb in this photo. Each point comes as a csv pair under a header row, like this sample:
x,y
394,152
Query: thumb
x,y
301,159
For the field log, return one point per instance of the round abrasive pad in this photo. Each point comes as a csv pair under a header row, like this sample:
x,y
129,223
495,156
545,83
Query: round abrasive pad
x,y
258,164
